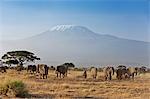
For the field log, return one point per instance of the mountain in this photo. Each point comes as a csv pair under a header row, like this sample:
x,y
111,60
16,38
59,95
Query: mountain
x,y
78,44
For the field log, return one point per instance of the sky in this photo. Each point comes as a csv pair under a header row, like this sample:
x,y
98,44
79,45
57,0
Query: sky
x,y
123,18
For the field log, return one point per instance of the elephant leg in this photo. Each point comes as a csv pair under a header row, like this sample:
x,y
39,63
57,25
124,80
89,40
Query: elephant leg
x,y
60,75
132,75
57,75
110,76
105,77
40,76
85,76
118,77
43,76
121,76
46,76
136,74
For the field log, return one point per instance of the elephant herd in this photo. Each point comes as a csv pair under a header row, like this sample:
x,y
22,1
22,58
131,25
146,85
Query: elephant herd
x,y
108,72
122,72
42,69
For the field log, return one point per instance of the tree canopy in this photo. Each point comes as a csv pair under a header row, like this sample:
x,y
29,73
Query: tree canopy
x,y
19,57
69,64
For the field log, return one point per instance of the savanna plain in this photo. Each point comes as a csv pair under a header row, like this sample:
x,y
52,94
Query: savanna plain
x,y
75,87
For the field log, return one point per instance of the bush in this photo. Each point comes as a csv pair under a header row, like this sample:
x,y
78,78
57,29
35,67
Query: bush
x,y
14,89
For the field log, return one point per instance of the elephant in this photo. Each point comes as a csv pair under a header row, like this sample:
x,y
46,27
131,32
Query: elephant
x,y
42,69
62,69
108,72
121,72
142,70
31,68
94,72
126,73
132,71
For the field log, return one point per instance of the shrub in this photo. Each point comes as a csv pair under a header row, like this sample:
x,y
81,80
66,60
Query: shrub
x,y
14,89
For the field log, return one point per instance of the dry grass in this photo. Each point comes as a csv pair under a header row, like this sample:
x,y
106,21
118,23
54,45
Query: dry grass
x,y
76,87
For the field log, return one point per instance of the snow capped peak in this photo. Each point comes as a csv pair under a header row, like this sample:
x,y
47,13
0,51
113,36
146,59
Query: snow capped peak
x,y
62,27
72,28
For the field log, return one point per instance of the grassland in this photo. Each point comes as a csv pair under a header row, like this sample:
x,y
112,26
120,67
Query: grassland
x,y
76,87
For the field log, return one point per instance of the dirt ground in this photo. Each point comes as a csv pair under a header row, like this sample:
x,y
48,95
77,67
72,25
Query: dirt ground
x,y
76,87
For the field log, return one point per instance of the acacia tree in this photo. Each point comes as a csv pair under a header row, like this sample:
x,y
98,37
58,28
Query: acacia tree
x,y
19,57
69,64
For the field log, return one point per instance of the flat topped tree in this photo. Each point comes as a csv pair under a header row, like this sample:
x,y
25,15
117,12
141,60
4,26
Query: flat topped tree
x,y
19,57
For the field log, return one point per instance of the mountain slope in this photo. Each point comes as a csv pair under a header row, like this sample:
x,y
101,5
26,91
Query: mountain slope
x,y
70,43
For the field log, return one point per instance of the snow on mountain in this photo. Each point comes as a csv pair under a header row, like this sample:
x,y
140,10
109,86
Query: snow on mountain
x,y
62,27
66,28
78,44
72,32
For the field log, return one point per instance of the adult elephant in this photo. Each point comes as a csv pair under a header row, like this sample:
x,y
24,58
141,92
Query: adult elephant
x,y
93,72
42,69
31,68
142,70
132,71
108,72
63,69
121,72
